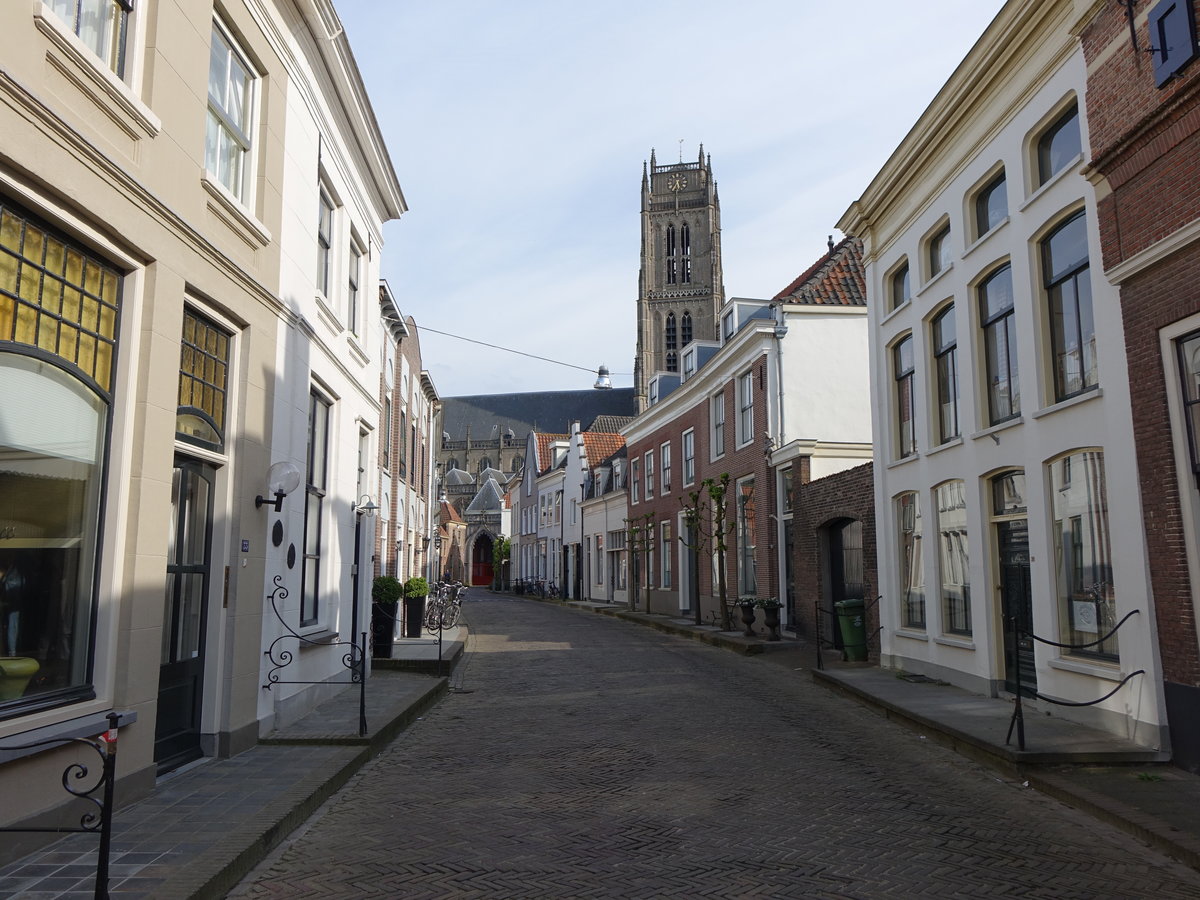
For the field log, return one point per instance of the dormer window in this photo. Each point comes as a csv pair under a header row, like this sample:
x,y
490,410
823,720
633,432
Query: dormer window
x,y
689,365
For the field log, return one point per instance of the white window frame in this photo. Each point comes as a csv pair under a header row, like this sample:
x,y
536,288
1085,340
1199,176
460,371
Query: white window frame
x,y
354,280
243,191
325,239
664,541
648,466
664,462
716,426
688,441
745,420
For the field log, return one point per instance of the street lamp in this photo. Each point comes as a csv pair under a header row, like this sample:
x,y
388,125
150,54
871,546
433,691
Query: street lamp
x,y
603,379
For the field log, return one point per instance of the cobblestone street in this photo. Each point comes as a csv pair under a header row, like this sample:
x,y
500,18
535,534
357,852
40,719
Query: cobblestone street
x,y
585,756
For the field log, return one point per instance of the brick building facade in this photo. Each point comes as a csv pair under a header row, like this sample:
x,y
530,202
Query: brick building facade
x,y
1144,130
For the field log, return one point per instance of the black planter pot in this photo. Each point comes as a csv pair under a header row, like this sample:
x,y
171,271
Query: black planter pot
x,y
771,620
748,618
414,615
383,629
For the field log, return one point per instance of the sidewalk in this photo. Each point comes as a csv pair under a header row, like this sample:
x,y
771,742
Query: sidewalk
x,y
1131,787
208,824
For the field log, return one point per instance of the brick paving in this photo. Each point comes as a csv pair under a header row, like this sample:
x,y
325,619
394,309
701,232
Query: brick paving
x,y
587,757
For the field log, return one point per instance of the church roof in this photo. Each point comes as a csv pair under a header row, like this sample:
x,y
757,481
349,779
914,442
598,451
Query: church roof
x,y
489,499
495,474
836,279
459,477
528,412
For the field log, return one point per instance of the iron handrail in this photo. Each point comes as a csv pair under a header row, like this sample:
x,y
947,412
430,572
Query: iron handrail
x,y
97,819
281,657
1018,716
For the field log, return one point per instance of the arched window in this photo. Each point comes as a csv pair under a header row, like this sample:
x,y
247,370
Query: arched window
x,y
452,464
686,328
672,361
670,332
685,248
671,272
485,463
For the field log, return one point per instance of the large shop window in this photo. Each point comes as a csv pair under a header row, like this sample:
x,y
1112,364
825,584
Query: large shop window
x,y
953,558
316,482
58,328
1082,554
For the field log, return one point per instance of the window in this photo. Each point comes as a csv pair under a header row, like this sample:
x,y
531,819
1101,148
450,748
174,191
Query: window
x,y
899,287
203,376
1058,145
1069,295
902,366
747,575
671,334
672,361
635,483
1000,345
991,205
745,408
685,246
401,446
1171,28
102,25
649,474
316,481
912,572
727,325
355,267
1188,349
685,329
386,450
671,260
952,557
689,365
689,457
664,453
599,559
363,483
53,425
665,543
939,250
945,362
717,417
1082,557
324,241
230,106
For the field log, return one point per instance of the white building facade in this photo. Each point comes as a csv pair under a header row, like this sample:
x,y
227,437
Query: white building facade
x,y
1004,454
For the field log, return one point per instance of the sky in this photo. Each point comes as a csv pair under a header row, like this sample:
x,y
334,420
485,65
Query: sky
x,y
518,130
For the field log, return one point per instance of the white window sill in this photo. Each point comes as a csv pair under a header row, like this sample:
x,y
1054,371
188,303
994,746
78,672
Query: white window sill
x,y
953,442
962,643
895,312
897,463
87,726
1092,394
1002,426
327,314
1069,169
1109,672
98,79
318,636
356,350
985,238
932,282
230,208
911,635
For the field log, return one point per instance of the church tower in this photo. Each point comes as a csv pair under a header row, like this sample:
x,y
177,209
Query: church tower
x,y
680,287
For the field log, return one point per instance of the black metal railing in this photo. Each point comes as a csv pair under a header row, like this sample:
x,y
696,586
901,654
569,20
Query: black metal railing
x,y
1018,717
354,658
824,642
97,818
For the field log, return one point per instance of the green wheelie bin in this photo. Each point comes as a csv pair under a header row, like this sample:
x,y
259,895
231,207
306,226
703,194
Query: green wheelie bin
x,y
853,628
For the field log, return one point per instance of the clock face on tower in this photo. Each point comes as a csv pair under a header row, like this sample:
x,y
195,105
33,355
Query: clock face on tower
x,y
677,182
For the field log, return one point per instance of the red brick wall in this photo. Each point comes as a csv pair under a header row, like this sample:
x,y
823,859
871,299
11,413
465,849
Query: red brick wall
x,y
1145,141
739,463
826,502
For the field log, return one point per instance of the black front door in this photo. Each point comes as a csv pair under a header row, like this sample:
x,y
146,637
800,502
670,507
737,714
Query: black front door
x,y
181,675
1016,605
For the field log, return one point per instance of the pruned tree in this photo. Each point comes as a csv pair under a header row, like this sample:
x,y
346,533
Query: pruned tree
x,y
705,513
639,532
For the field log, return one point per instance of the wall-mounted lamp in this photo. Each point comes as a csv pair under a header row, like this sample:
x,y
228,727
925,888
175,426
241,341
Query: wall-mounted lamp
x,y
365,506
603,380
282,479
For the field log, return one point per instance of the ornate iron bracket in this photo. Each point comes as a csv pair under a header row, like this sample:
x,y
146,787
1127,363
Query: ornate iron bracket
x,y
97,818
354,657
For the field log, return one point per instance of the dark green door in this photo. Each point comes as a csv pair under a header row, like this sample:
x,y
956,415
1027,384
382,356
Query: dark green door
x,y
1016,599
181,675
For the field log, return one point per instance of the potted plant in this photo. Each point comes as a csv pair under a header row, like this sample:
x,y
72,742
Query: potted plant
x,y
770,607
416,589
385,594
747,604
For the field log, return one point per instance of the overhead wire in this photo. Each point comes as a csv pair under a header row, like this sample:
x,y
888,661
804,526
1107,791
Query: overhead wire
x,y
557,362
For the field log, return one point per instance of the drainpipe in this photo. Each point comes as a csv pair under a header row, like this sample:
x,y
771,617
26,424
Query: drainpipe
x,y
781,331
